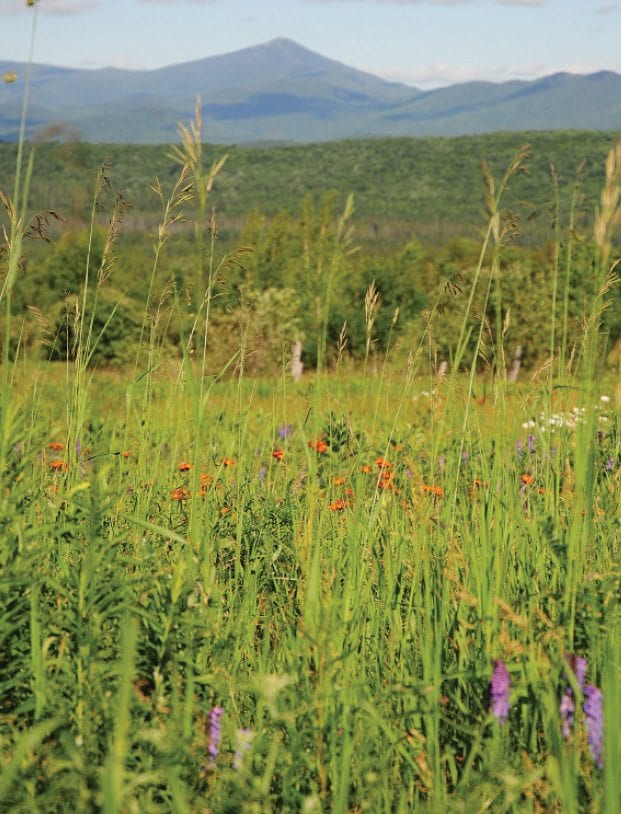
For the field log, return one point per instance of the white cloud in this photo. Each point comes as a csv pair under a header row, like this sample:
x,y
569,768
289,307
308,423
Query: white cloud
x,y
51,7
441,74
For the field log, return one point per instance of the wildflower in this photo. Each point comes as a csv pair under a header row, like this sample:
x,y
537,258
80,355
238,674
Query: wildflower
x,y
57,466
500,685
184,467
365,469
436,491
593,713
338,481
179,494
339,505
319,446
383,463
519,447
284,431
244,740
610,464
126,454
531,442
10,77
578,666
214,734
206,480
262,473
279,454
566,710
55,446
527,478
228,462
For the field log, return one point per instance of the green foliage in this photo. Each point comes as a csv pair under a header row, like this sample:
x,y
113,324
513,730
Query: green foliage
x,y
115,327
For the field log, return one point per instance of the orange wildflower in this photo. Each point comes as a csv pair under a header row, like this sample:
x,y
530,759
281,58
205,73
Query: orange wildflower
x,y
180,494
184,467
527,478
57,466
56,446
365,469
437,491
320,446
383,463
228,462
126,454
338,481
279,454
206,480
339,505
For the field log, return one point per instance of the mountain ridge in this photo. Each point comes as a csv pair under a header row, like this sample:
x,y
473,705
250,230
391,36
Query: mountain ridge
x,y
282,91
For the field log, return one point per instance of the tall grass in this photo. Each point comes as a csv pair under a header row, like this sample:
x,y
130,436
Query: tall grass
x,y
334,566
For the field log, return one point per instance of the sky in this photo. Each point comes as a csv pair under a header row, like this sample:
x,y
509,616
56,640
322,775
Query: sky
x,y
425,43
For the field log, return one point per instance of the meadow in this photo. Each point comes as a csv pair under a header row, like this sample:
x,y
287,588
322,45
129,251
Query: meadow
x,y
377,588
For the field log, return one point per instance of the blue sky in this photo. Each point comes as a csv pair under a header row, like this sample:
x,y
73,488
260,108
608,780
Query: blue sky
x,y
426,43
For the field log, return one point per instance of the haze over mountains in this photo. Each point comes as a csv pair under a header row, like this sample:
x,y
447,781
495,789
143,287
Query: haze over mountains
x,y
281,91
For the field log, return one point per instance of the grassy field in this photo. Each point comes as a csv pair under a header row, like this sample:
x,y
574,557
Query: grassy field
x,y
375,589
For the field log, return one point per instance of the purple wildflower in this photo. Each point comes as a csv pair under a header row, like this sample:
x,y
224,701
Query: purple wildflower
x,y
566,710
284,431
519,447
499,687
567,707
578,666
532,442
215,734
593,714
610,464
262,473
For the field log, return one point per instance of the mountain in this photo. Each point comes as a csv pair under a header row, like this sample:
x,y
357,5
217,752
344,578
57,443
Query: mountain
x,y
280,91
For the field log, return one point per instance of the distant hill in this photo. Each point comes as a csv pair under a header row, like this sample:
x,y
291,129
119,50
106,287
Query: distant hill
x,y
430,187
282,92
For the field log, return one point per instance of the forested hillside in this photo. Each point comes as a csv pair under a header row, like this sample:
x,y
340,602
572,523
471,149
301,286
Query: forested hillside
x,y
356,241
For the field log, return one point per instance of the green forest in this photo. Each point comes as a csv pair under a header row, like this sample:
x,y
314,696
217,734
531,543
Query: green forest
x,y
355,241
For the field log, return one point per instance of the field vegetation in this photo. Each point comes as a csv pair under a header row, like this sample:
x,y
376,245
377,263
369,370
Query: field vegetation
x,y
390,586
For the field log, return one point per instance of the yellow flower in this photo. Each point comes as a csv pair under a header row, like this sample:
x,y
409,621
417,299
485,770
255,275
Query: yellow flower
x,y
10,77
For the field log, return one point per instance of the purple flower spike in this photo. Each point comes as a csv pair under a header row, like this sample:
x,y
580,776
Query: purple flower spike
x,y
566,710
578,666
519,447
284,431
532,442
594,718
215,733
610,464
500,685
